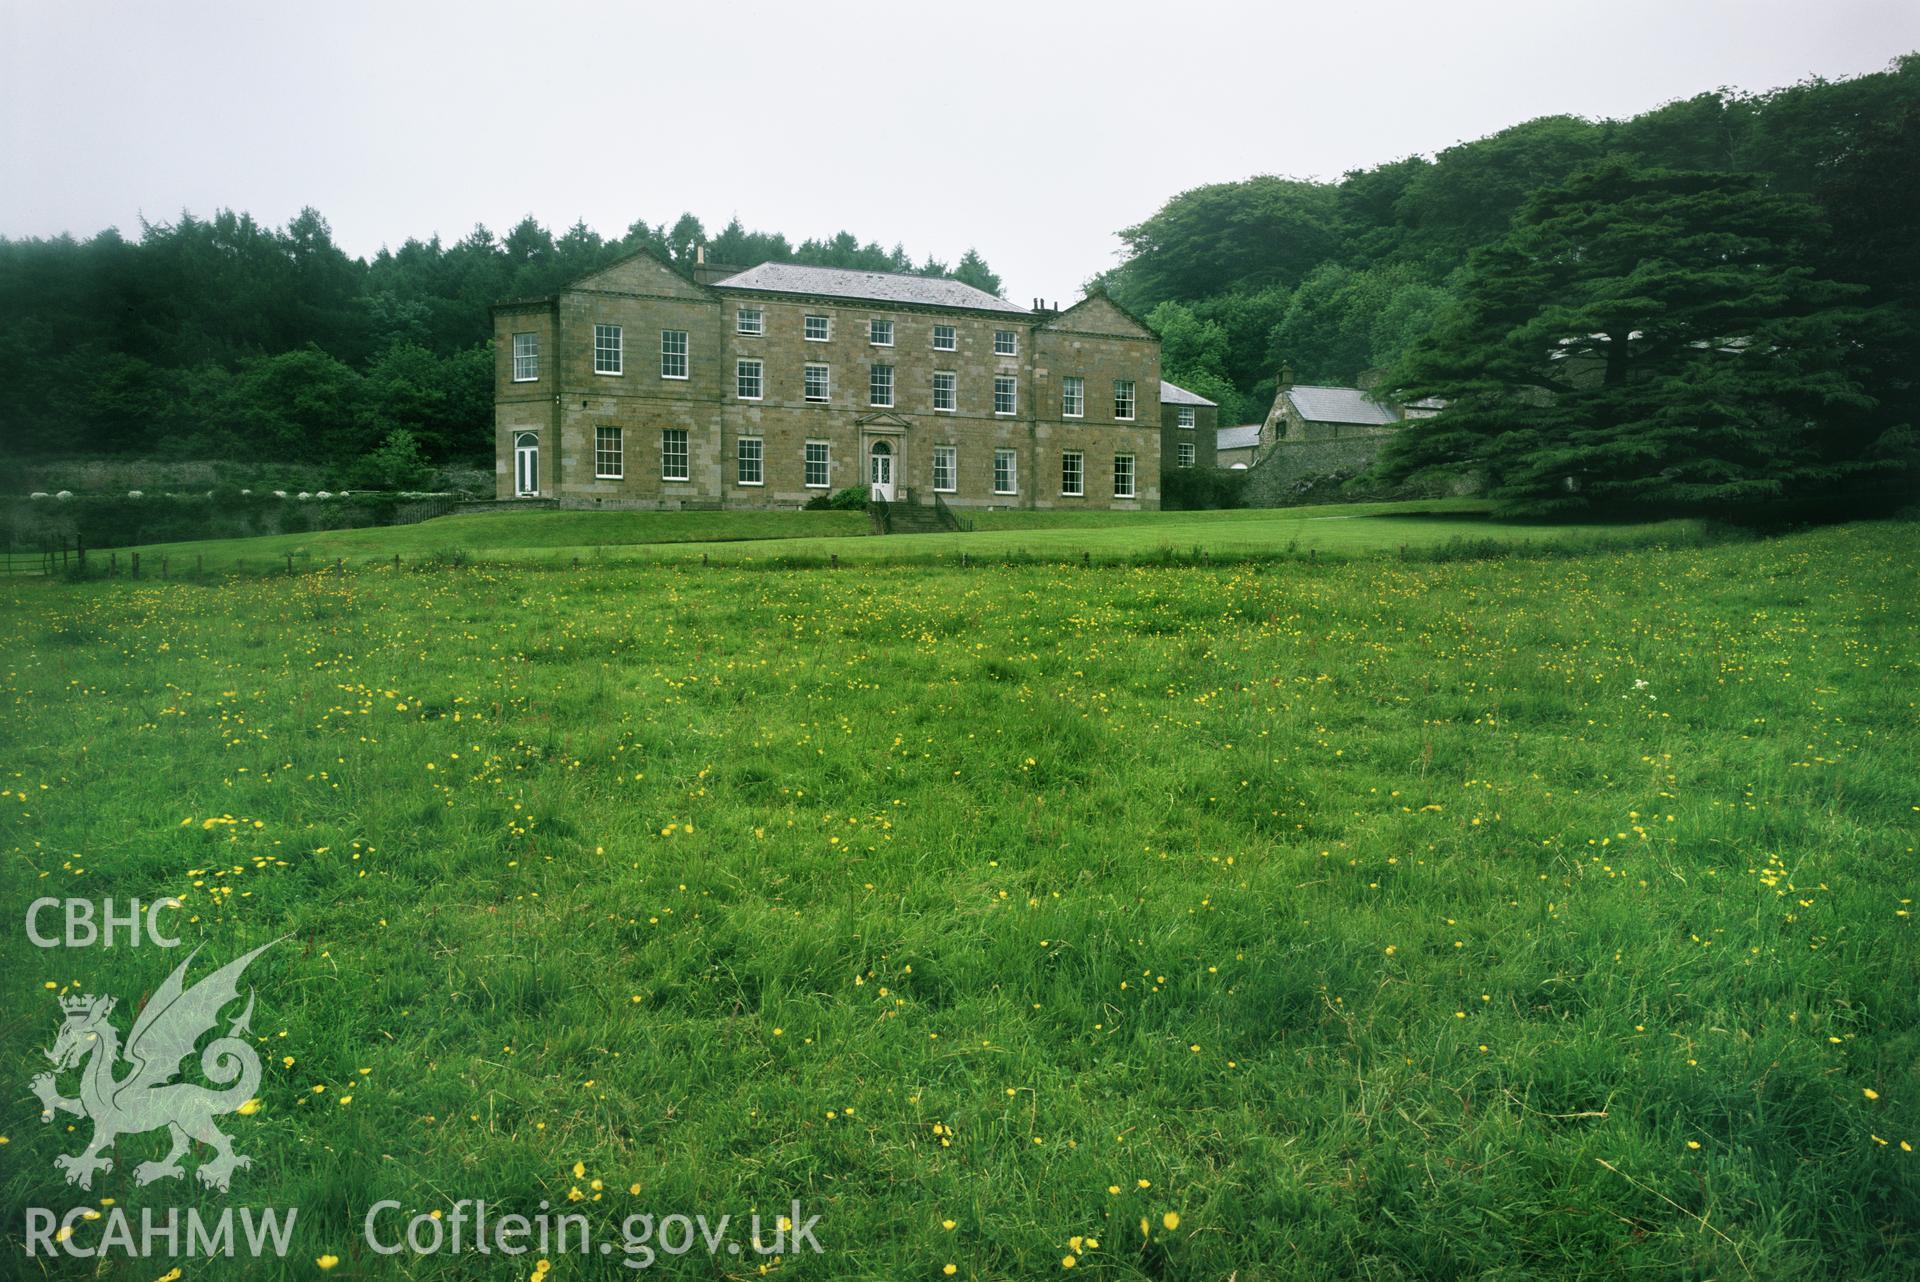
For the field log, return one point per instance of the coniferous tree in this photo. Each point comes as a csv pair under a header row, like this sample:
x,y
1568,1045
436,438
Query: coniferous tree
x,y
1647,341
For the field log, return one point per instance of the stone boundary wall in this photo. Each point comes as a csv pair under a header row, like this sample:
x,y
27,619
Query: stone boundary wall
x,y
1286,471
1289,473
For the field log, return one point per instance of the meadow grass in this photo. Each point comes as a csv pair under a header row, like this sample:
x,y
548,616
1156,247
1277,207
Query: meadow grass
x,y
1505,918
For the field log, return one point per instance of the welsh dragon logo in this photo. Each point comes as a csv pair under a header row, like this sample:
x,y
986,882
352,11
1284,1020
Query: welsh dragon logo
x,y
147,1097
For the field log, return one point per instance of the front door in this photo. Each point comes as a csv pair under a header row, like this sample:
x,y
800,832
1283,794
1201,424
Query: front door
x,y
526,465
880,471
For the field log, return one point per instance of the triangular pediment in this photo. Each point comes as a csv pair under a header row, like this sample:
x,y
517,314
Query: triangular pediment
x,y
883,418
640,272
1098,314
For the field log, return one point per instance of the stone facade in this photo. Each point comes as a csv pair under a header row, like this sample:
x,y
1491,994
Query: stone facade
x,y
1304,413
1189,429
1236,447
1316,438
641,432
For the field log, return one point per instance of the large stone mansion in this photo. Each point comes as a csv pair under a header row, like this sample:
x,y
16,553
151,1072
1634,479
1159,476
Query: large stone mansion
x,y
637,387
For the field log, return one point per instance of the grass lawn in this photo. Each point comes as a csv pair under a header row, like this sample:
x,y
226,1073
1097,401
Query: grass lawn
x,y
532,532
1510,917
780,538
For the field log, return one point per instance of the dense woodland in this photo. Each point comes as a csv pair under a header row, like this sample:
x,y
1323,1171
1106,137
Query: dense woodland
x,y
1757,256
220,337
213,336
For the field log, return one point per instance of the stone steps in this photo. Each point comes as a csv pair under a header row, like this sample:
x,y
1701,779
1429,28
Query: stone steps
x,y
902,519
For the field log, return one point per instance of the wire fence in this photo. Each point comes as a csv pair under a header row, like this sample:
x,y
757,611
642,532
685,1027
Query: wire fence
x,y
75,561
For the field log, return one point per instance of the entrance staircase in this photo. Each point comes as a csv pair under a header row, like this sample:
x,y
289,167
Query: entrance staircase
x,y
907,515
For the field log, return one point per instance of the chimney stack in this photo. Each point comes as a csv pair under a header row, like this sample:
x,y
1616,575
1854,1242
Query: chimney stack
x,y
1286,377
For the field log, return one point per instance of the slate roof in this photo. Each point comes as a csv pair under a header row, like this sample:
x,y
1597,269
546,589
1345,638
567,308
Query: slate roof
x,y
1338,405
1172,395
879,287
1244,437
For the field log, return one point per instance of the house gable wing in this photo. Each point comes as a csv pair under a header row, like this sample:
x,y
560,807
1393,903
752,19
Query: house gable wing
x,y
1098,314
643,273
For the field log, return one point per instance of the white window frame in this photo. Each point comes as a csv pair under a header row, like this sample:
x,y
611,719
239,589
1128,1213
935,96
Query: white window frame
x,y
609,349
667,353
751,321
826,382
609,464
1011,344
1012,387
1186,454
873,386
951,333
1079,459
1183,417
953,391
526,449
826,328
825,464
1132,400
757,454
1132,473
877,327
1073,397
526,357
1006,465
951,454
668,435
745,368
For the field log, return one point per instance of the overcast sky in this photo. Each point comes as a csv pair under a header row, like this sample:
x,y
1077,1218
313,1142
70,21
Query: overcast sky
x,y
1030,130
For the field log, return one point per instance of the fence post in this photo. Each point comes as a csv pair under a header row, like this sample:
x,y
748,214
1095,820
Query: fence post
x,y
396,560
135,558
836,560
1086,559
163,567
289,563
113,564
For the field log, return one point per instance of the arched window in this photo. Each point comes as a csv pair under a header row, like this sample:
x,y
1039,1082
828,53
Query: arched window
x,y
526,464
